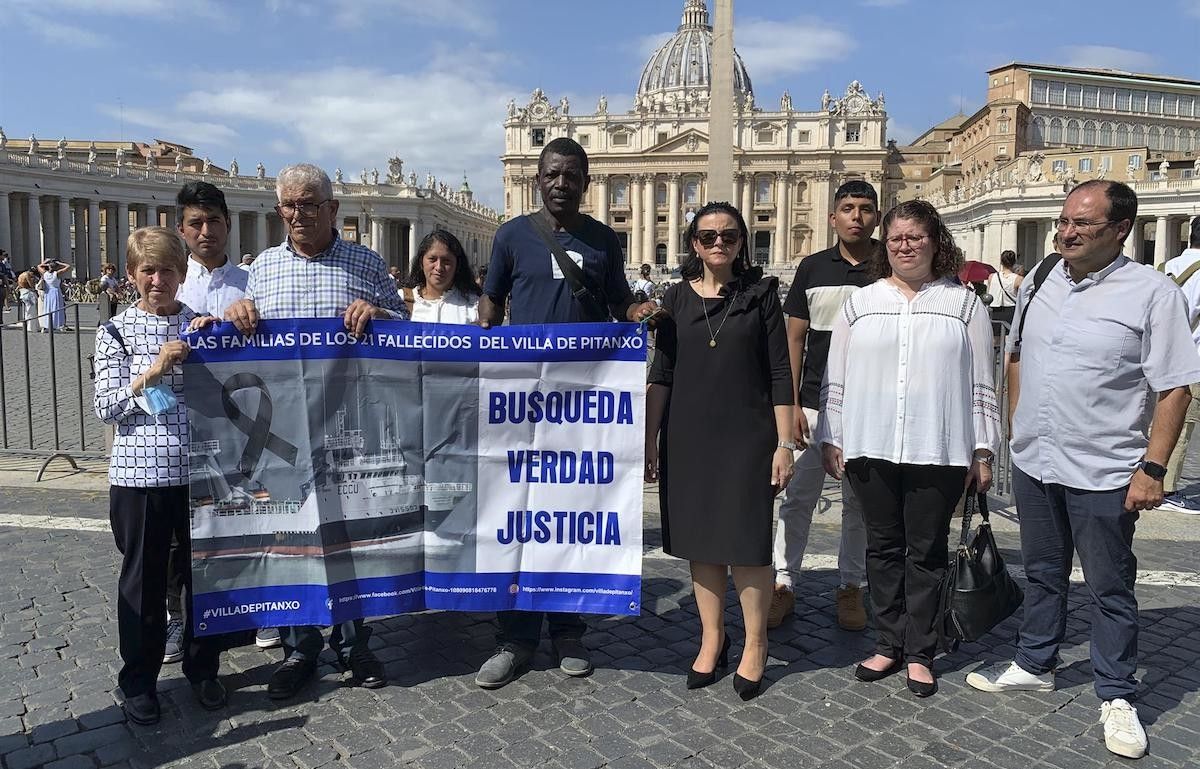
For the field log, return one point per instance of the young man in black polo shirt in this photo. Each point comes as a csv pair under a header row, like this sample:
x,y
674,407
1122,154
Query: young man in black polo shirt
x,y
822,283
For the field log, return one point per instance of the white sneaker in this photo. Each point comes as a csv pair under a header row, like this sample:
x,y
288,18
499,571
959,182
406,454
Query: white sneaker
x,y
1123,732
1009,677
1178,503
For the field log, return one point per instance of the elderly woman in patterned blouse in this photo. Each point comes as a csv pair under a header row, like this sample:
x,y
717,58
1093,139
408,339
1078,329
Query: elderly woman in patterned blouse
x,y
139,389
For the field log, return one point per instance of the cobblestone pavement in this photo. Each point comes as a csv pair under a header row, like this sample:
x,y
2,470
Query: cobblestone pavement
x,y
58,661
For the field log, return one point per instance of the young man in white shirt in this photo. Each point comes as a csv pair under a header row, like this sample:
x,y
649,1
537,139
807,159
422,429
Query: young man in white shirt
x,y
213,282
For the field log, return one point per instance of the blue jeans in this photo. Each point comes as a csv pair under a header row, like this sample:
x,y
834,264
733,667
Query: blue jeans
x,y
1056,521
525,627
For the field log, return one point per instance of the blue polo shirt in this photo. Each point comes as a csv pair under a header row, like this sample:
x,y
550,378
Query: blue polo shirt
x,y
523,268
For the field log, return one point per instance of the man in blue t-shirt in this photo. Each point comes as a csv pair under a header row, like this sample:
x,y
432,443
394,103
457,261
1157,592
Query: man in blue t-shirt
x,y
524,269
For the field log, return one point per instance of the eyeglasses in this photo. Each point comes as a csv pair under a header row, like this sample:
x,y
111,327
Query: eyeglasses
x,y
1062,224
307,210
898,241
709,237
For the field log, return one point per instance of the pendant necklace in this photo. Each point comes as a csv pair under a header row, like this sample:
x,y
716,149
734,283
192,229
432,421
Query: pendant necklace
x,y
712,337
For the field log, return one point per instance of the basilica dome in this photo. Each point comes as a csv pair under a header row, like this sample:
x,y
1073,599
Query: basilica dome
x,y
681,70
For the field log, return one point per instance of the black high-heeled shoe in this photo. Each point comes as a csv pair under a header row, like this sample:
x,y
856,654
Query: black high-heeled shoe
x,y
746,688
698,680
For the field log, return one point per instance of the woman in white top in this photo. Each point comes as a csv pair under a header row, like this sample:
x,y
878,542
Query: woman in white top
x,y
441,287
911,417
27,295
139,389
1003,286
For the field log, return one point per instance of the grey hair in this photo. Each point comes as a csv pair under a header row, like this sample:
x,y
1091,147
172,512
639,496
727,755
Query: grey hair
x,y
306,176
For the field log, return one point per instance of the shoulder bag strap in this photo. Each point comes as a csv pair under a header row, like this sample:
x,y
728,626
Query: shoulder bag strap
x,y
1186,275
115,333
581,289
1039,277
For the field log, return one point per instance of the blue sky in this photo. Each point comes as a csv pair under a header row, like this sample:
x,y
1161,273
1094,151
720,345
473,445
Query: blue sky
x,y
349,82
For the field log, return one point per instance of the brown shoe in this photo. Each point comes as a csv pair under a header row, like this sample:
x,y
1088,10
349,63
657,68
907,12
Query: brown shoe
x,y
783,603
851,614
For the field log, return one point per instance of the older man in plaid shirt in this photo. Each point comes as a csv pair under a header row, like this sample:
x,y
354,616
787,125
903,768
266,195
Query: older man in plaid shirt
x,y
316,274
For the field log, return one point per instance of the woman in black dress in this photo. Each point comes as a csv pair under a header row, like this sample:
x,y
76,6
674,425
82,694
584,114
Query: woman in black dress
x,y
721,392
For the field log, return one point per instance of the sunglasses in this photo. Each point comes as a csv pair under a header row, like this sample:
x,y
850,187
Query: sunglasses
x,y
709,237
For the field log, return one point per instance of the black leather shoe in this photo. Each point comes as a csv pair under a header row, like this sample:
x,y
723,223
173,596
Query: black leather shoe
x,y
365,667
142,709
920,688
864,673
210,693
746,688
289,678
698,680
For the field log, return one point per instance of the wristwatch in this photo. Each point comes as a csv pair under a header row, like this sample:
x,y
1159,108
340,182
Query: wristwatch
x,y
1153,469
987,459
789,445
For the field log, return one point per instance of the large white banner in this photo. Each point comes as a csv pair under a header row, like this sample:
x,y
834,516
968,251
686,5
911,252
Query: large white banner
x,y
423,466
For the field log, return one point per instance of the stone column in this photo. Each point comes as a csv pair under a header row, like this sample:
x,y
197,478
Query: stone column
x,y
6,239
649,196
33,232
748,198
63,231
976,251
1161,246
635,219
822,203
991,243
79,220
234,248
140,218
110,235
779,250
122,236
673,219
414,238
1008,237
173,218
260,231
1051,230
600,187
94,238
362,228
378,228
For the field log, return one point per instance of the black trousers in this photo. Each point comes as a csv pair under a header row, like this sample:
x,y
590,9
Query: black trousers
x,y
144,520
179,561
907,510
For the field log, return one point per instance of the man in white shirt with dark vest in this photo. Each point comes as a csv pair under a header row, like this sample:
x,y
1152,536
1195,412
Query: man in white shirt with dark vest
x,y
1098,390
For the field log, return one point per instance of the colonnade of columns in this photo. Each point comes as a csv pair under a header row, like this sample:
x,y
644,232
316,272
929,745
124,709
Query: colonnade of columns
x,y
397,239
84,232
649,222
1033,238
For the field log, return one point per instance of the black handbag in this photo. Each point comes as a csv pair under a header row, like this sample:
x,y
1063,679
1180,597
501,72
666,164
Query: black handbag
x,y
978,593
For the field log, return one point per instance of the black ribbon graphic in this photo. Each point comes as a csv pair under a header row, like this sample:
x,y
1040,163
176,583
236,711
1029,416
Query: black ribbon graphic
x,y
257,430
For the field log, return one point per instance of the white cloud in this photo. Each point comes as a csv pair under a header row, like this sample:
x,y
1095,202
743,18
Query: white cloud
x,y
57,32
1190,7
441,120
1106,56
65,22
648,44
173,126
771,49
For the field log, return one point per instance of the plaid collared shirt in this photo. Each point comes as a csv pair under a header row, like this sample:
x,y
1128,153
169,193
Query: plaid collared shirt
x,y
284,284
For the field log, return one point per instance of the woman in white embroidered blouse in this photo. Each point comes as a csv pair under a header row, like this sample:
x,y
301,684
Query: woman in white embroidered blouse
x,y
441,287
911,417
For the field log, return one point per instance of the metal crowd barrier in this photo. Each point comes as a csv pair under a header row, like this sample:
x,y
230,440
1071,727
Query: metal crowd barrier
x,y
69,433
1002,467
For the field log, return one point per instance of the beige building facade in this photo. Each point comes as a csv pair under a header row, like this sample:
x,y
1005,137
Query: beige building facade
x,y
1044,129
649,165
77,201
